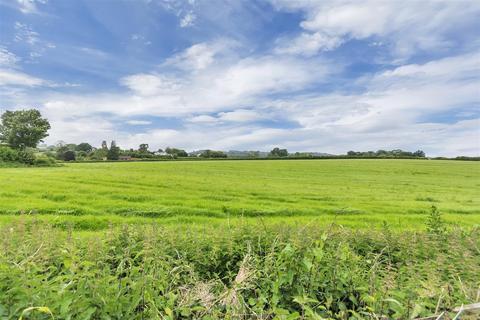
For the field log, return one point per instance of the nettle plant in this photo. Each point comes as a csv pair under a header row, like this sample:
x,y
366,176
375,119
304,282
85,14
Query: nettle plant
x,y
435,223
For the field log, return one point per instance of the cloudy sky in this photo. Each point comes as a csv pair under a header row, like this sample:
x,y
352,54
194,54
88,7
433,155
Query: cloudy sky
x,y
327,76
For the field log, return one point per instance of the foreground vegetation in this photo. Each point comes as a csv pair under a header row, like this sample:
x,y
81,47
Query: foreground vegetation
x,y
238,272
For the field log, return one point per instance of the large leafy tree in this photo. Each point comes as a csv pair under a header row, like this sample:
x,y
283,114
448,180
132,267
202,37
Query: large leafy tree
x,y
23,128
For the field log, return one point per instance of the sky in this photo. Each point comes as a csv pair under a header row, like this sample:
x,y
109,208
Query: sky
x,y
325,76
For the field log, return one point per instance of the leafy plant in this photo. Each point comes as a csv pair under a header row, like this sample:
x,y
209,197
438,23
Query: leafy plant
x,y
435,224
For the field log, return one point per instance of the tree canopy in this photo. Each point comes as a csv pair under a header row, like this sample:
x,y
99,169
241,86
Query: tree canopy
x,y
23,128
113,152
277,152
84,146
176,152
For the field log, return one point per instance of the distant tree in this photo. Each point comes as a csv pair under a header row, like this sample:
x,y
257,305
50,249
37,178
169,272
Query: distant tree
x,y
397,153
99,154
60,143
277,152
303,155
381,153
213,154
104,145
81,155
113,152
69,155
143,148
419,153
176,152
23,128
85,147
61,149
72,146
253,154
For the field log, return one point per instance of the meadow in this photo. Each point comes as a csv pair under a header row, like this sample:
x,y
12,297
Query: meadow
x,y
358,193
303,239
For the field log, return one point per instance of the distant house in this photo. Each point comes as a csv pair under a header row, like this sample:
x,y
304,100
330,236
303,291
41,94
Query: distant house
x,y
124,158
158,153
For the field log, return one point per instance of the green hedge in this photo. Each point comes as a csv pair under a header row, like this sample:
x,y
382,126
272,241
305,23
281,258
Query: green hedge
x,y
24,157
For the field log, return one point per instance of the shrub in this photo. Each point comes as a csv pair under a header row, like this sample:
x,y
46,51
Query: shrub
x,y
8,154
26,157
69,156
43,161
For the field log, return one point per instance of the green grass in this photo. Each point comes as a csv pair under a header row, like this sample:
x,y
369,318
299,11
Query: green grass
x,y
357,193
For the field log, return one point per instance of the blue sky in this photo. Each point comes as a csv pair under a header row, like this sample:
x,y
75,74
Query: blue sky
x,y
327,76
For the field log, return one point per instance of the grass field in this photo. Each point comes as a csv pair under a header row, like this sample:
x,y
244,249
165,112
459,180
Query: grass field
x,y
356,193
327,239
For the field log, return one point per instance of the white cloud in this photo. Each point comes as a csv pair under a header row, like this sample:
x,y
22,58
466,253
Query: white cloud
x,y
29,6
197,57
9,77
7,58
150,84
233,86
138,122
462,66
188,20
139,38
92,129
208,87
24,33
235,116
398,96
308,44
184,10
201,55
407,27
240,115
203,119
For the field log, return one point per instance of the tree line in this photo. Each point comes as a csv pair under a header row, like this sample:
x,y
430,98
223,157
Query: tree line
x,y
21,131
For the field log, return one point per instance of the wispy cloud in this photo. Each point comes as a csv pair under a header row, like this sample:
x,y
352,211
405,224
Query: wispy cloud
x,y
140,39
407,27
25,33
188,20
138,122
7,58
29,6
17,78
